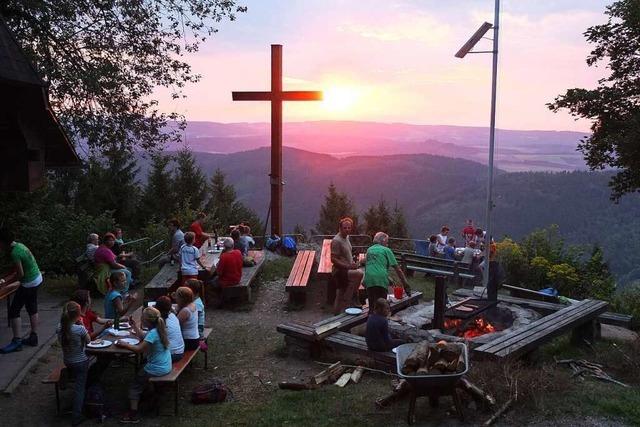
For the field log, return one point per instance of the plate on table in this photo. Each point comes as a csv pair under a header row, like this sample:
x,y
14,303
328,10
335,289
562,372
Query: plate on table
x,y
99,344
130,341
125,325
117,333
353,310
395,350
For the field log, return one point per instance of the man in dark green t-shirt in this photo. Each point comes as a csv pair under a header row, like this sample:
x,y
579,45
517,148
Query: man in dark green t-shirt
x,y
378,261
28,273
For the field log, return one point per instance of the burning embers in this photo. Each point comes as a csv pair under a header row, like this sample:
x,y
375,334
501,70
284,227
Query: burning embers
x,y
469,328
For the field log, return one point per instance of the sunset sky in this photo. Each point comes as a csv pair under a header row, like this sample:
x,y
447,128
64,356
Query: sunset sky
x,y
392,61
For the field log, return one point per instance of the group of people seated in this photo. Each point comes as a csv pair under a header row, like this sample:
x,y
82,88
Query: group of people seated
x,y
109,257
444,246
166,332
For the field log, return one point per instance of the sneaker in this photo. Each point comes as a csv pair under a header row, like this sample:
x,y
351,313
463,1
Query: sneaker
x,y
130,418
14,345
32,340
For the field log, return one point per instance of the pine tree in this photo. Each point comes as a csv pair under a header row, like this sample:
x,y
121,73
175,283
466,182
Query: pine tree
x,y
190,183
336,206
398,226
159,198
223,207
110,185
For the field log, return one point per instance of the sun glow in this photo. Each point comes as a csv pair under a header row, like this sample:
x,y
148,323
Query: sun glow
x,y
340,98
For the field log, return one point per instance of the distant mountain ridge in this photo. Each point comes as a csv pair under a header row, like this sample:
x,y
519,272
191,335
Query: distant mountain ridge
x,y
437,190
515,150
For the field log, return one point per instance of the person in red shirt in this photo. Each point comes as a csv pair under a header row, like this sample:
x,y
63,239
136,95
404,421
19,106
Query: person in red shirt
x,y
227,272
88,316
468,232
196,227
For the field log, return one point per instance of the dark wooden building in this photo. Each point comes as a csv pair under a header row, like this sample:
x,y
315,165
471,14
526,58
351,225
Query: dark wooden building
x,y
31,138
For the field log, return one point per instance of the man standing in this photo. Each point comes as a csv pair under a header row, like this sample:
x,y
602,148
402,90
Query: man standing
x,y
196,227
468,232
176,239
28,273
376,273
345,272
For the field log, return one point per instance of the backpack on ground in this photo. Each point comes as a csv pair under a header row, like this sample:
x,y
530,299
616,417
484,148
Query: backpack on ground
x,y
289,247
211,392
273,243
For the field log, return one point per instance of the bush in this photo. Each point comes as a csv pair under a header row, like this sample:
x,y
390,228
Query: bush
x,y
628,302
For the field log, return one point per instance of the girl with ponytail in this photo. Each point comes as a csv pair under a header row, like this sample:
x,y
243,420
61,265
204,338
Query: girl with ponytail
x,y
73,337
155,346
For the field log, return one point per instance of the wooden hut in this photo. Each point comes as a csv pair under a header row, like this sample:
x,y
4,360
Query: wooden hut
x,y
31,138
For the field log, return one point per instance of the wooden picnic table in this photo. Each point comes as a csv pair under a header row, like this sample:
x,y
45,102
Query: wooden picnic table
x,y
168,274
113,349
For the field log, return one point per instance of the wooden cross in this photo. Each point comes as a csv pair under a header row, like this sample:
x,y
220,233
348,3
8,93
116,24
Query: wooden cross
x,y
276,96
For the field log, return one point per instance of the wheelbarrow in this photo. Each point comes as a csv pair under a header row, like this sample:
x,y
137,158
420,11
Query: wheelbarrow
x,y
433,386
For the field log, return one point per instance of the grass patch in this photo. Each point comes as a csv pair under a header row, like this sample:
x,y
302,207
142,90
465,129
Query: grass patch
x,y
275,269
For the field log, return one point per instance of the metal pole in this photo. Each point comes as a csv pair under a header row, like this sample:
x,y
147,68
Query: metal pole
x,y
492,134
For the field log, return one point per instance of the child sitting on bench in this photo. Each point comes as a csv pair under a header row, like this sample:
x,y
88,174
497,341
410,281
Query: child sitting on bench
x,y
156,347
377,335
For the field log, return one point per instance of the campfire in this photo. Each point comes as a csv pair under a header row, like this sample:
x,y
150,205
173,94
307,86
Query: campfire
x,y
469,328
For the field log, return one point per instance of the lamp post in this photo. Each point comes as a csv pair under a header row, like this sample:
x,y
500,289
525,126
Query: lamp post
x,y
464,50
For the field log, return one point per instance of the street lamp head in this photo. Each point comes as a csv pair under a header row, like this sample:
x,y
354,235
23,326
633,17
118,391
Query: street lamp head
x,y
475,38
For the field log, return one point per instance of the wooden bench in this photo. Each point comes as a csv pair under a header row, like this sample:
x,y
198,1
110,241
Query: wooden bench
x,y
545,308
324,264
178,367
300,272
305,337
242,291
578,318
343,343
54,378
434,266
6,291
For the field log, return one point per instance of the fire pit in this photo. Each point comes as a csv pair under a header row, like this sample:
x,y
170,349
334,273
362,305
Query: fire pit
x,y
415,324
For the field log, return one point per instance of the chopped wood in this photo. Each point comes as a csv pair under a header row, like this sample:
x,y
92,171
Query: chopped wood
x,y
436,359
357,374
343,380
416,358
401,390
332,372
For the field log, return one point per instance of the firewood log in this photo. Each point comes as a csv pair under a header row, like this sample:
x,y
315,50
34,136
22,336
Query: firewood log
x,y
434,356
450,352
441,365
483,400
413,362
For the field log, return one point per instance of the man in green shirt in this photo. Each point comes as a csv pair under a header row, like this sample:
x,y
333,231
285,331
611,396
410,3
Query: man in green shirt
x,y
376,273
28,273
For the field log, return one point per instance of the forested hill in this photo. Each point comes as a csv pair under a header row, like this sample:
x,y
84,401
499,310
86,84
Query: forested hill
x,y
436,190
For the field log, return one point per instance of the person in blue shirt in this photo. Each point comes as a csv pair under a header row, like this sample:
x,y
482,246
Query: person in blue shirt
x,y
377,335
155,346
115,302
450,249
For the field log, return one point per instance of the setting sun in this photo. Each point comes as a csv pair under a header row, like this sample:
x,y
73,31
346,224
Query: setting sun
x,y
340,98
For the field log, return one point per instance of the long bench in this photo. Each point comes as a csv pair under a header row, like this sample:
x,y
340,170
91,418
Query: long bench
x,y
308,337
350,344
434,266
6,291
178,367
300,272
609,318
242,290
578,318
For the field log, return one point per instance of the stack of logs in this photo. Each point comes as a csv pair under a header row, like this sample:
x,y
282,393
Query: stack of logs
x,y
435,359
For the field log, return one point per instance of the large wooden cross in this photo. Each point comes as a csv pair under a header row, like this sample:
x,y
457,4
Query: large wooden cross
x,y
276,96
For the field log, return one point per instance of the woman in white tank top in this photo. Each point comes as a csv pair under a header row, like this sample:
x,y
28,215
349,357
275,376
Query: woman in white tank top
x,y
188,317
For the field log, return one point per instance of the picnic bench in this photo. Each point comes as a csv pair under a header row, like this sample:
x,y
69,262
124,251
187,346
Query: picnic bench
x,y
6,290
306,339
578,318
545,308
324,264
300,274
455,270
355,346
58,375
242,291
177,368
